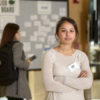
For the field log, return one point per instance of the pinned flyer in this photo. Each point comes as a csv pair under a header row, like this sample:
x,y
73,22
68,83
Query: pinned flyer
x,y
44,7
9,7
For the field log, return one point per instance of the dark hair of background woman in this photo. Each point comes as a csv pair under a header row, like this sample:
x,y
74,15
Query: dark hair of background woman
x,y
8,33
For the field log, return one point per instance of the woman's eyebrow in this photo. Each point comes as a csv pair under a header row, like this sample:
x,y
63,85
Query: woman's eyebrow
x,y
65,28
62,28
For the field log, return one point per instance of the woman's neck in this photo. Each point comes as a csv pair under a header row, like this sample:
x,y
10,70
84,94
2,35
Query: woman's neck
x,y
65,48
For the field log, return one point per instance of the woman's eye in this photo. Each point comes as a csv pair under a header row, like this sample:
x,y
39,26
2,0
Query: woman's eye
x,y
63,30
71,30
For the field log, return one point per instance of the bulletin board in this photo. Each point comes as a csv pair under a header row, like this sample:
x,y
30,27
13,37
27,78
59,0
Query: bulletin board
x,y
37,20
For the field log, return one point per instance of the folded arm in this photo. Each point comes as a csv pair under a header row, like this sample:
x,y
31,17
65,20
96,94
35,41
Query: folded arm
x,y
81,82
49,82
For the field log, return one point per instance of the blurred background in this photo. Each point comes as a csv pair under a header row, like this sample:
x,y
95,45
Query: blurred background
x,y
37,19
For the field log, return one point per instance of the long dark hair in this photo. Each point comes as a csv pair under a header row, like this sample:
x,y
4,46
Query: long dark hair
x,y
69,20
8,33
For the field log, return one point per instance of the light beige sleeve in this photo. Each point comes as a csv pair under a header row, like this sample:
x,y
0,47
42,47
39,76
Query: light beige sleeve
x,y
49,82
81,83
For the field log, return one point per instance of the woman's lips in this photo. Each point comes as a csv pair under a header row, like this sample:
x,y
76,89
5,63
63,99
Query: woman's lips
x,y
67,39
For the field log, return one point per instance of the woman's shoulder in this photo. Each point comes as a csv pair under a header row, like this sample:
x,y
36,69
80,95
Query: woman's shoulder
x,y
49,53
17,44
82,54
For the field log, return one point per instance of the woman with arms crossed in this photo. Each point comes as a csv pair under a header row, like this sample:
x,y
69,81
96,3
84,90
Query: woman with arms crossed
x,y
66,70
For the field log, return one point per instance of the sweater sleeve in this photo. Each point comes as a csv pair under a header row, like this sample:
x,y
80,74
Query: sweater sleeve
x,y
49,82
17,56
84,82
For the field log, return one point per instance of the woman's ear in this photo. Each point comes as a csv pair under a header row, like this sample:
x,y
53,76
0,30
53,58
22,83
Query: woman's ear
x,y
57,37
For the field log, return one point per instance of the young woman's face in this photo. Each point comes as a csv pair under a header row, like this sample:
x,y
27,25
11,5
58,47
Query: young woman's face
x,y
67,33
18,35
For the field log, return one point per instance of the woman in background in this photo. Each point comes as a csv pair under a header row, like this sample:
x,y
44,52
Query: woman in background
x,y
66,70
19,89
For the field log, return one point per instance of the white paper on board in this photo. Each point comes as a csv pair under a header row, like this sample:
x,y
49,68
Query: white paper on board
x,y
47,46
46,22
38,46
27,46
7,9
23,33
48,29
44,34
6,19
62,13
33,17
41,39
62,10
52,24
44,17
42,29
55,17
37,23
28,24
35,33
44,7
27,49
51,39
33,38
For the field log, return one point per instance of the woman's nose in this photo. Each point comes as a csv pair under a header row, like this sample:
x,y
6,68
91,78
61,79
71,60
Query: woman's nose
x,y
67,33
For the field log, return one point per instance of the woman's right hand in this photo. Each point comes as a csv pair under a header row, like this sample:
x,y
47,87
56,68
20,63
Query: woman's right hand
x,y
29,61
84,73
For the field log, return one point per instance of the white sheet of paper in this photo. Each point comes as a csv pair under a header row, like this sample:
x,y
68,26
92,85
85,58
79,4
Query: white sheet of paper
x,y
44,34
55,17
51,39
52,24
41,39
47,46
48,29
33,38
38,46
37,23
23,33
27,24
46,22
27,46
27,49
35,33
62,14
44,7
8,9
44,17
6,19
42,29
62,9
33,17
